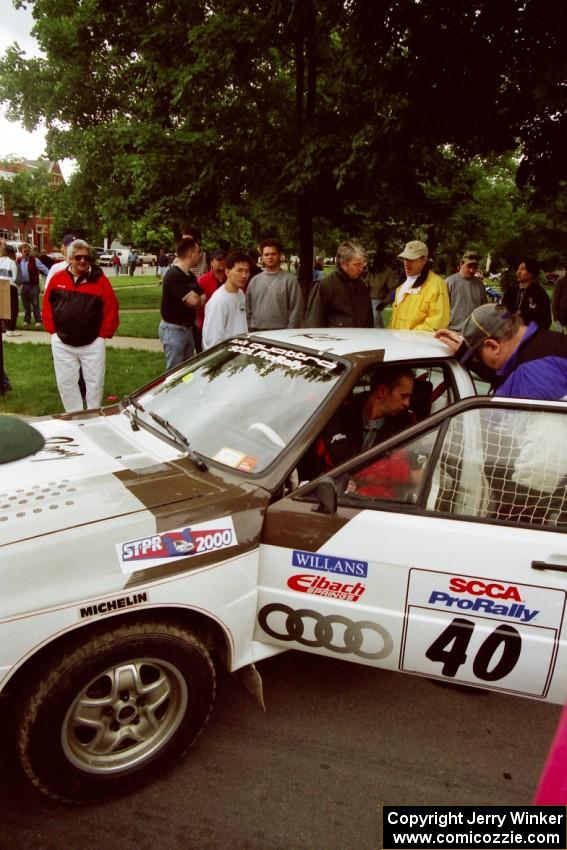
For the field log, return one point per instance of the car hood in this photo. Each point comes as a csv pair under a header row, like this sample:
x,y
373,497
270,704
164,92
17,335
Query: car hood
x,y
92,469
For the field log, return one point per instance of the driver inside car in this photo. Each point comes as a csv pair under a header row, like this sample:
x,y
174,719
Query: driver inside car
x,y
362,421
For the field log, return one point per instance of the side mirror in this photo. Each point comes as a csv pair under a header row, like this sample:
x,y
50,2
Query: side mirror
x,y
327,496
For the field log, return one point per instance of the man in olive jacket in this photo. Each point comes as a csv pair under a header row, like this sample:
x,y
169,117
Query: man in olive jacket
x,y
342,299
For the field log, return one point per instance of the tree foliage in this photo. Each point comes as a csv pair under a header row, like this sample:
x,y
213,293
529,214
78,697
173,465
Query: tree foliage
x,y
304,118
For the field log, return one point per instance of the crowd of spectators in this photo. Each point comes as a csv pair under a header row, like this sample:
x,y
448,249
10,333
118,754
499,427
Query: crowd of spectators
x,y
209,296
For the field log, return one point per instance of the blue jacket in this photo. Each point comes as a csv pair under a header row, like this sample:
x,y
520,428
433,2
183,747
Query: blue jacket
x,y
537,368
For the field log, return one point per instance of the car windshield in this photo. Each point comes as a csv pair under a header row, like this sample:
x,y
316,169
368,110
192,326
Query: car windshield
x,y
243,403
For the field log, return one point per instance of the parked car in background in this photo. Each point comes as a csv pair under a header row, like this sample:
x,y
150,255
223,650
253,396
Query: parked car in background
x,y
145,258
105,259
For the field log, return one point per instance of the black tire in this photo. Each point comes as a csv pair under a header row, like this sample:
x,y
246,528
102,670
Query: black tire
x,y
115,711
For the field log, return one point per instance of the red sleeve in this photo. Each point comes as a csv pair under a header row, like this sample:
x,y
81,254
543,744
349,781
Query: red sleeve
x,y
110,317
209,285
392,469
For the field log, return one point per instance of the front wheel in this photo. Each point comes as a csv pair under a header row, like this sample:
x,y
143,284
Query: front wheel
x,y
114,711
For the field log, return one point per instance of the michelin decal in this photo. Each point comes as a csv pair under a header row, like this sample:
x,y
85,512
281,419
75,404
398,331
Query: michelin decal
x,y
167,546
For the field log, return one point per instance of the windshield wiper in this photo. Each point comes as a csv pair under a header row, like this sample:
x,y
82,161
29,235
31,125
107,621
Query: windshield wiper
x,y
133,414
181,439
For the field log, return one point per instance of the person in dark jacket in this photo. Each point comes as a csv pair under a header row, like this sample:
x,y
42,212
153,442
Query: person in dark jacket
x,y
342,299
181,296
527,296
80,311
519,360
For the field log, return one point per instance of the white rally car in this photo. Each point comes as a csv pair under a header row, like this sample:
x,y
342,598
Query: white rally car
x,y
148,542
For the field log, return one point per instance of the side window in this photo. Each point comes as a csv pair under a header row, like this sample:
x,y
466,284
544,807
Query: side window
x,y
346,433
506,465
433,389
396,476
441,394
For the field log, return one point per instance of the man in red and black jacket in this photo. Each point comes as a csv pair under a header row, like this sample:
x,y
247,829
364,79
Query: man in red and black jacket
x,y
80,310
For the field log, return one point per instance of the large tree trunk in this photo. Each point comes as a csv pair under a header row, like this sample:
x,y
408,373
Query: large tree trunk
x,y
305,234
305,94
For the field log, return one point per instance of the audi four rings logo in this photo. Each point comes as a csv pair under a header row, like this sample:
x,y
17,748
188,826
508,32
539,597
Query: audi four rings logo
x,y
353,636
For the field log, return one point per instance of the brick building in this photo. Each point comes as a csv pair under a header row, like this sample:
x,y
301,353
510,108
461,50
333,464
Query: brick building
x,y
34,230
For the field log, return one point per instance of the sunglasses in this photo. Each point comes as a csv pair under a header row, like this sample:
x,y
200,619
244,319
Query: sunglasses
x,y
82,258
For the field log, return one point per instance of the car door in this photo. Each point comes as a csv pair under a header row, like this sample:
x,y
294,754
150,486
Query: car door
x,y
446,555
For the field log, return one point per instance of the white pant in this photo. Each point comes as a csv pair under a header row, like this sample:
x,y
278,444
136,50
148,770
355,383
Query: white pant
x,y
68,359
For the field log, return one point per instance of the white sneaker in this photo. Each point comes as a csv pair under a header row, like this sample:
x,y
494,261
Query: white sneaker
x,y
37,325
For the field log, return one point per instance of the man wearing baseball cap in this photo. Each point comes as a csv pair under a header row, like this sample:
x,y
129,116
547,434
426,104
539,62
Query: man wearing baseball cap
x,y
62,264
209,283
519,360
421,302
466,291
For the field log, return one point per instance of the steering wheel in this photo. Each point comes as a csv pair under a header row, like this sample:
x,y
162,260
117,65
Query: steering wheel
x,y
268,432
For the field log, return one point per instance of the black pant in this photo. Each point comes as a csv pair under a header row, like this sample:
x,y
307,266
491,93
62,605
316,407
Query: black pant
x,y
14,307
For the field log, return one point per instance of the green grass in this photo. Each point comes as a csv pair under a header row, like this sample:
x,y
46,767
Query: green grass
x,y
147,297
143,324
125,280
34,393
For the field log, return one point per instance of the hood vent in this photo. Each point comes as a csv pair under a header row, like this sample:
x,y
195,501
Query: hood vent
x,y
27,501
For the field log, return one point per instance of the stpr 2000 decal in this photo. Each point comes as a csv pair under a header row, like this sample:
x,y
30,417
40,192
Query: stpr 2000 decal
x,y
157,549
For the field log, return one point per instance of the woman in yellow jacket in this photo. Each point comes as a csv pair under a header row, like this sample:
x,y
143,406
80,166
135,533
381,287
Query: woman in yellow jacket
x,y
421,302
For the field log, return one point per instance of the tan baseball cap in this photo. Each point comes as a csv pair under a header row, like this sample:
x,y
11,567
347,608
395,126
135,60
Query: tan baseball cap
x,y
414,250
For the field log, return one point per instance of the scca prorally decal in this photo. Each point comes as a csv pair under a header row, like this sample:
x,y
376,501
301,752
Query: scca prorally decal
x,y
321,586
329,563
497,593
109,605
157,549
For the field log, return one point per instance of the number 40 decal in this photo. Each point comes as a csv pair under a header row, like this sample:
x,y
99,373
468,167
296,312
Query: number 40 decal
x,y
450,649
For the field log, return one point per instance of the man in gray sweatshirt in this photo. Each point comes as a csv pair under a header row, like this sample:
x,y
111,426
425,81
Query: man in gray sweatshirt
x,y
273,298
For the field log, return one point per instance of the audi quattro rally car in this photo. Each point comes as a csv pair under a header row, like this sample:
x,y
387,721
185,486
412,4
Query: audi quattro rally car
x,y
148,538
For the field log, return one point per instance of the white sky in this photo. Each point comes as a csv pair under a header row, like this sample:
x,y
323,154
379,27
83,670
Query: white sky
x,y
15,25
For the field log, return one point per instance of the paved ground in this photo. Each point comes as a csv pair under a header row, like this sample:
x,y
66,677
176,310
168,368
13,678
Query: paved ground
x,y
336,741
42,337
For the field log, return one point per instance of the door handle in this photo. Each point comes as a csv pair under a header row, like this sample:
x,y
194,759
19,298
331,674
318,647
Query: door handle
x,y
543,565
